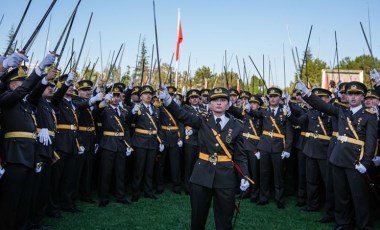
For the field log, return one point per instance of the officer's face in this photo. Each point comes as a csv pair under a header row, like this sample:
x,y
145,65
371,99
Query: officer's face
x,y
194,100
204,99
274,100
368,102
84,93
233,99
219,105
116,98
344,97
355,99
14,85
254,106
48,92
70,91
325,99
135,98
146,98
244,100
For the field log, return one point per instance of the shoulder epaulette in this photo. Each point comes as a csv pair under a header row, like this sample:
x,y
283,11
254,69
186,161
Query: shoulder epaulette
x,y
157,104
370,111
341,104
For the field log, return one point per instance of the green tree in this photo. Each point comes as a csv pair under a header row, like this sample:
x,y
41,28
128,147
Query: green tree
x,y
10,36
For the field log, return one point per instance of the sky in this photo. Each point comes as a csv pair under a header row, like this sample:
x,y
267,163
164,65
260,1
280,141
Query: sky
x,y
210,28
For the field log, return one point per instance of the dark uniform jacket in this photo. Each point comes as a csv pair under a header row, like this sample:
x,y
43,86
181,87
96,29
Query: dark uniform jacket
x,y
205,173
364,123
193,138
18,115
274,144
297,110
113,122
142,121
170,128
86,131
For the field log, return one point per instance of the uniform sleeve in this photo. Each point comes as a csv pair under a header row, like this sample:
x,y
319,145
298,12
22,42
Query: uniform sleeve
x,y
370,141
240,157
288,137
184,116
322,106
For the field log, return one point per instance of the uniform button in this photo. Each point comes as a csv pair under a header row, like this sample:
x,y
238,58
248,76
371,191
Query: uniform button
x,y
217,145
317,125
346,129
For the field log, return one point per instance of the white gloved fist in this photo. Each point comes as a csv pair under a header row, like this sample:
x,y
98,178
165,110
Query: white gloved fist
x,y
285,154
14,60
257,154
97,97
96,149
180,143
136,108
48,60
376,161
38,168
70,78
189,132
164,95
302,88
129,151
244,185
130,85
360,168
81,149
2,171
247,107
43,137
108,97
375,76
161,147
288,110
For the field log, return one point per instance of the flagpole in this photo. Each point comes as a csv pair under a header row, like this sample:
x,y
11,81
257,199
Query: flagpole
x,y
179,40
176,74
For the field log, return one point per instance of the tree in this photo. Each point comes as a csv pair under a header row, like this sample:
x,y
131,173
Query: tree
x,y
312,70
143,61
10,36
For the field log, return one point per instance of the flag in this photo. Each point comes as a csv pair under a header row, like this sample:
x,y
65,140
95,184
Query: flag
x,y
238,85
179,37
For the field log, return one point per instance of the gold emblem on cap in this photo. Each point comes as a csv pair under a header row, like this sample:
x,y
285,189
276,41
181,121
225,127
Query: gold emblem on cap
x,y
218,90
353,87
272,91
85,84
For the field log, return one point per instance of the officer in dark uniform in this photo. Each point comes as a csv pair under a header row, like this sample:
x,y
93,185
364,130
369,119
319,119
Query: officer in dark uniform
x,y
145,141
351,155
221,144
19,126
115,145
171,138
318,135
86,133
204,99
274,146
233,96
191,145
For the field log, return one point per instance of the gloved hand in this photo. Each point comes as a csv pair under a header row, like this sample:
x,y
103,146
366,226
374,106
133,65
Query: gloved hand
x,y
14,60
108,97
38,167
130,85
43,137
128,152
161,147
48,60
81,150
360,168
70,78
96,148
302,88
375,76
180,143
97,97
164,95
376,161
285,154
136,108
257,154
247,107
244,185
188,132
2,58
288,110
2,171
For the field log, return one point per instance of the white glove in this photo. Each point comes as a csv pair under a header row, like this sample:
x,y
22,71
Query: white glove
x,y
244,185
70,78
96,148
161,147
164,95
130,85
2,171
360,168
288,110
180,143
14,60
43,137
189,132
247,107
257,154
285,155
108,97
136,108
48,60
38,167
97,97
128,152
302,88
2,58
376,160
375,76
81,150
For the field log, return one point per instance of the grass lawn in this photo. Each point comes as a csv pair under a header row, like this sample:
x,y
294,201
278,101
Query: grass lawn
x,y
172,211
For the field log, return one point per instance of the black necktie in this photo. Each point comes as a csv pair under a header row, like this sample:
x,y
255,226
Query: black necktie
x,y
197,109
218,120
273,112
148,107
117,111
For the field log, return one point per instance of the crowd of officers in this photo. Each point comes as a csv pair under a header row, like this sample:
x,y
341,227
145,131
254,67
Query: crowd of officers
x,y
62,137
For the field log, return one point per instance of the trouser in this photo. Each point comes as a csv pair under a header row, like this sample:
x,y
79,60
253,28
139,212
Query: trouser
x,y
85,173
316,169
143,170
15,196
254,172
175,171
267,162
112,163
191,153
329,212
351,197
301,193
223,201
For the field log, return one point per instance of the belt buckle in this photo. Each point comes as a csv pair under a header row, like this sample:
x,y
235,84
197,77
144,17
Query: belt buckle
x,y
72,127
316,135
343,139
271,134
88,128
213,159
116,134
150,132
